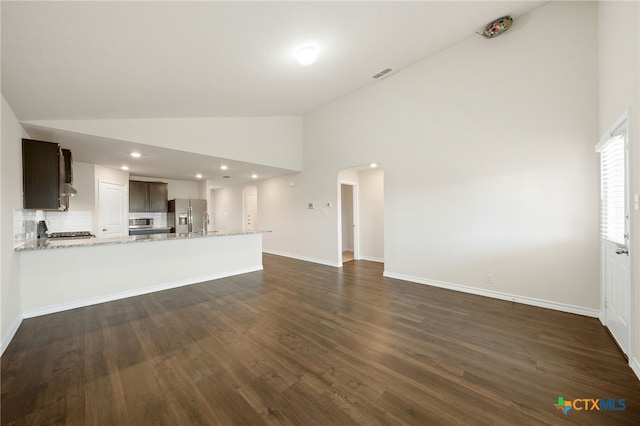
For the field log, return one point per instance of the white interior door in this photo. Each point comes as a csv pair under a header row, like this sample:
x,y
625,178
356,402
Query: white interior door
x,y
250,214
615,258
617,285
113,216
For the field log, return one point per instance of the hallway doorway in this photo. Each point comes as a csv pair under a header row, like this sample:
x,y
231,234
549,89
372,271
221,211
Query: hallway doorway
x,y
360,214
348,201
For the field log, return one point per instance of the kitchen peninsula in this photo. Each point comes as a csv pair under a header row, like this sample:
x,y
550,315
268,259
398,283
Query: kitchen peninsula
x,y
61,275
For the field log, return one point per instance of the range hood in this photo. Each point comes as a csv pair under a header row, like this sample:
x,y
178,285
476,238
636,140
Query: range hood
x,y
69,190
67,187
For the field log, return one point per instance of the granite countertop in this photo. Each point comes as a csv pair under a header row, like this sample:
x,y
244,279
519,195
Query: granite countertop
x,y
48,243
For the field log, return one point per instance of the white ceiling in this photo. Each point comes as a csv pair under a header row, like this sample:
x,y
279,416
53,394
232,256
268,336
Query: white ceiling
x,y
154,162
81,60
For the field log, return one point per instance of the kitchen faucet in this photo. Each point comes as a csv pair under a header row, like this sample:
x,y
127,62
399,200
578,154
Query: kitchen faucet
x,y
205,222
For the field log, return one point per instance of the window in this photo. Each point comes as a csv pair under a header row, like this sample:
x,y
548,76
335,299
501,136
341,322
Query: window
x,y
613,173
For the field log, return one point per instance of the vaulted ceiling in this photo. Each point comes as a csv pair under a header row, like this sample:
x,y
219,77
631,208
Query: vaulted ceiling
x,y
94,59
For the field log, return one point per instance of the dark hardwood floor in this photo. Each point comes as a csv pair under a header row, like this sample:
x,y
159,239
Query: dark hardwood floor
x,y
305,344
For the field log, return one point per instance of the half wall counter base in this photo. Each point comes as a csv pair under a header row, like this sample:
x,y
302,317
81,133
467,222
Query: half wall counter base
x,y
58,280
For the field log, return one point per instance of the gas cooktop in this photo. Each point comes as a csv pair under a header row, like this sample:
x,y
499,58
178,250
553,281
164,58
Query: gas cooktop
x,y
71,235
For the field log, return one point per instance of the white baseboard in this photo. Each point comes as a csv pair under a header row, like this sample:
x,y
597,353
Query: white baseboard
x,y
306,259
499,295
635,366
138,292
10,333
372,259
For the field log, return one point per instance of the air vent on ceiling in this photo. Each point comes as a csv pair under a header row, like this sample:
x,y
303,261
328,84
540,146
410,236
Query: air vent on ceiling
x,y
383,72
226,177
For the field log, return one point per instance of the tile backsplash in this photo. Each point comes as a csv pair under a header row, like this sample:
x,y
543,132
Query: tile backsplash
x,y
25,223
69,221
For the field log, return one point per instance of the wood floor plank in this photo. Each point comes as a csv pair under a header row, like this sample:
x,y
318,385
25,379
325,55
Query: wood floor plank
x,y
306,344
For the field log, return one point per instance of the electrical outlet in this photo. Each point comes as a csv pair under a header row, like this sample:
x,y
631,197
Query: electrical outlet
x,y
489,279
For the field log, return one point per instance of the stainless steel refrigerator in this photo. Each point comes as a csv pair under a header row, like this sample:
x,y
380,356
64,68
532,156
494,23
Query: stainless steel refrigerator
x,y
188,215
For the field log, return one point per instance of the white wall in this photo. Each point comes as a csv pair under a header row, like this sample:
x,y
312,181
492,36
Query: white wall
x,y
349,176
619,89
84,175
270,141
11,198
488,157
203,190
296,230
371,211
227,208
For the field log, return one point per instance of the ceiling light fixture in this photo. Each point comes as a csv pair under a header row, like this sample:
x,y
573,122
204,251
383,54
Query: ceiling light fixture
x,y
373,165
307,55
124,168
254,176
199,176
136,155
224,167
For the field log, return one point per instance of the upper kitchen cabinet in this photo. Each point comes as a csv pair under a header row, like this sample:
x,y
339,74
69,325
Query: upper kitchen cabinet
x,y
43,174
158,195
138,196
147,196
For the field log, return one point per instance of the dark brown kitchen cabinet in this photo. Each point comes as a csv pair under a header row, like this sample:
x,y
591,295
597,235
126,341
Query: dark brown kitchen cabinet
x,y
158,195
43,175
147,196
138,196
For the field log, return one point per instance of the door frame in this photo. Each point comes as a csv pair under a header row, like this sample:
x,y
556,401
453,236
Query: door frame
x,y
624,119
356,220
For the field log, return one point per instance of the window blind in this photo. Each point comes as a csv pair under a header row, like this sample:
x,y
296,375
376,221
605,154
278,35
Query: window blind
x,y
613,192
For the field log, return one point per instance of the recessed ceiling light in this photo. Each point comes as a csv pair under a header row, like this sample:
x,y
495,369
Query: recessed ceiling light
x,y
224,167
124,168
307,55
254,176
136,155
199,176
373,165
